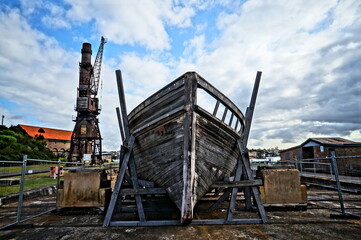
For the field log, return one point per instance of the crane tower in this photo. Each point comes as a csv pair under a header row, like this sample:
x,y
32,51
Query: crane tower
x,y
86,141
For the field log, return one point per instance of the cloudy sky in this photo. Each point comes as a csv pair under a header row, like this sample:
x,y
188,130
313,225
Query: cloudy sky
x,y
309,53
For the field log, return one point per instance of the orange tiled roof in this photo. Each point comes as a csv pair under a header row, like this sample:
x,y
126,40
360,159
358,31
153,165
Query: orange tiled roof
x,y
48,133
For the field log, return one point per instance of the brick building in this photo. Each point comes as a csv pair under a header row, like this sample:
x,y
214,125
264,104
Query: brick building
x,y
321,148
57,140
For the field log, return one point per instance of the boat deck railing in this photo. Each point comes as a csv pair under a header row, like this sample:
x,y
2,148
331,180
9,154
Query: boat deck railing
x,y
222,108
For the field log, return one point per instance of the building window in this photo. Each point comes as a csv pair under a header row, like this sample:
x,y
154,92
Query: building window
x,y
322,149
287,156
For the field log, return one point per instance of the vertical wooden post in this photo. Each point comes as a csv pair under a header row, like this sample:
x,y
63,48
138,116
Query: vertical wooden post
x,y
249,175
243,162
119,182
128,141
123,106
189,149
232,203
138,198
120,123
250,109
247,128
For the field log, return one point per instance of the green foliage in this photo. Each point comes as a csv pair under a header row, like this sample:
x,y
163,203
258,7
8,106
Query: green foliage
x,y
14,143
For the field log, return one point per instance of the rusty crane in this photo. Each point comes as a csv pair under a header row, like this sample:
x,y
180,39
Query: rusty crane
x,y
86,141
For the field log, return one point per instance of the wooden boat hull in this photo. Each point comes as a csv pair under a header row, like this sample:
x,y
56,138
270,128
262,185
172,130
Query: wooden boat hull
x,y
182,147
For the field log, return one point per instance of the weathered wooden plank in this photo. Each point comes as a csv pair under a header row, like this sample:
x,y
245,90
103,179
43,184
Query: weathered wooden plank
x,y
242,183
178,83
142,191
178,223
189,149
158,109
223,198
166,117
123,106
120,124
209,117
250,109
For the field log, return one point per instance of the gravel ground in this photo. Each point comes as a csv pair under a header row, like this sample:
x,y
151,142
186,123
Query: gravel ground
x,y
315,223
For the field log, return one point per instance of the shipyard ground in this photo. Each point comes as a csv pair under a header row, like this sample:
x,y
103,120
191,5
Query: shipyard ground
x,y
315,223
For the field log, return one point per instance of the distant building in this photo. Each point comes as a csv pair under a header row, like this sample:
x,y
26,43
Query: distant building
x,y
322,147
107,156
57,140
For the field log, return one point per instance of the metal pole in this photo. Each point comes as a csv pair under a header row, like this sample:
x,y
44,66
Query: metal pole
x,y
57,185
335,170
314,169
2,120
22,183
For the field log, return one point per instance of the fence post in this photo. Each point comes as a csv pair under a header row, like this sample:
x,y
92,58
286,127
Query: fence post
x,y
314,168
335,170
57,185
21,193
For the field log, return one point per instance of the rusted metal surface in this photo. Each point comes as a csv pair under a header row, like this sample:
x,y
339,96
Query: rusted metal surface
x,y
84,189
86,139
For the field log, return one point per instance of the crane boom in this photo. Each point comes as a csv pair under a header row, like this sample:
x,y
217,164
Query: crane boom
x,y
95,77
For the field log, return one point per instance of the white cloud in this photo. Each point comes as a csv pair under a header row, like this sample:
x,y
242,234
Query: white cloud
x,y
308,53
289,43
36,73
133,22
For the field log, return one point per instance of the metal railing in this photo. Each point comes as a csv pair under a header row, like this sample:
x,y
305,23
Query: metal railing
x,y
325,173
28,189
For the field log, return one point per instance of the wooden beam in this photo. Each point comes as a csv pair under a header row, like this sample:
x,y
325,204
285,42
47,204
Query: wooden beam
x,y
224,114
250,109
231,120
223,198
120,124
232,202
173,86
138,199
119,182
123,106
242,183
249,175
189,149
143,191
216,108
211,90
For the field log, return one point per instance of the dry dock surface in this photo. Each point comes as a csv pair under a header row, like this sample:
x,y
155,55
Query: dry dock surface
x,y
315,223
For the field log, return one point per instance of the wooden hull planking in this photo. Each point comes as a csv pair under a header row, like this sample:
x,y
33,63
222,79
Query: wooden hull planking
x,y
182,147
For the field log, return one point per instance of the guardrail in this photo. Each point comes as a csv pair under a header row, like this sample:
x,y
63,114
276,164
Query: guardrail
x,y
30,179
325,173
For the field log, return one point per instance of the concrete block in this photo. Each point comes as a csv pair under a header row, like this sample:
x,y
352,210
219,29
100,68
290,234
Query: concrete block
x,y
282,186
